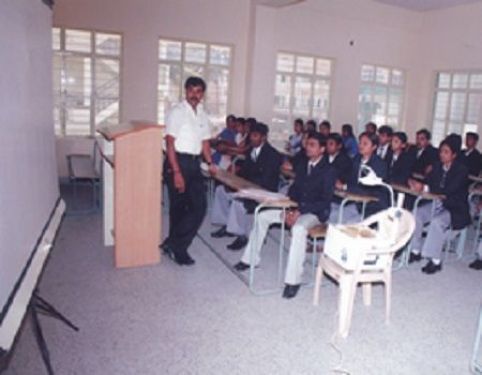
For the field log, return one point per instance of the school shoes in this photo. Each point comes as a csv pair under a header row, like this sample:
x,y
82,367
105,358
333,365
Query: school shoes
x,y
221,232
183,259
414,258
476,264
431,268
241,266
290,291
238,243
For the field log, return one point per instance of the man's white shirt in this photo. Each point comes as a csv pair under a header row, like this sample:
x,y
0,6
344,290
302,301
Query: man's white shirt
x,y
189,128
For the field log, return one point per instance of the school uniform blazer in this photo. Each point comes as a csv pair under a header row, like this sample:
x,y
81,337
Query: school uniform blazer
x,y
399,172
264,172
473,162
343,166
379,192
455,191
428,157
314,192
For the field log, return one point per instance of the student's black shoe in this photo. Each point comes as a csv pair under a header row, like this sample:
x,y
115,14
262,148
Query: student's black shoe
x,y
414,258
240,266
476,264
238,243
180,259
221,232
430,268
186,260
290,291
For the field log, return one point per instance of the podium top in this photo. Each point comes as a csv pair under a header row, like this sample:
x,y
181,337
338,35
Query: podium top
x,y
111,132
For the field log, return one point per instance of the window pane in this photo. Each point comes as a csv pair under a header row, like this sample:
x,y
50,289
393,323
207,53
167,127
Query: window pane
x,y
457,107
220,55
56,38
77,86
443,80
368,73
285,62
441,105
382,75
302,96
192,70
217,96
57,78
78,41
460,81
379,105
476,81
304,64
473,108
323,67
169,50
282,94
365,106
454,127
169,87
107,90
438,132
108,44
321,99
395,102
397,77
281,126
195,52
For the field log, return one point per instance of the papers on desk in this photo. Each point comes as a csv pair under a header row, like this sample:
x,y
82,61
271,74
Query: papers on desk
x,y
260,195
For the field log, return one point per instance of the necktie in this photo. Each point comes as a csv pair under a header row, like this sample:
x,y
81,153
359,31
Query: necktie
x,y
444,178
310,167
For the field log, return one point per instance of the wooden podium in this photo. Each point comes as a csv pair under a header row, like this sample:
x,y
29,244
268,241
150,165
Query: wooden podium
x,y
137,171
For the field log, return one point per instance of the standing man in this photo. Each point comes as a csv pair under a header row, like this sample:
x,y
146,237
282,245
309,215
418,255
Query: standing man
x,y
187,137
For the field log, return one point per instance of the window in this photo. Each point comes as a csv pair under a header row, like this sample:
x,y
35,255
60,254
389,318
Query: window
x,y
457,104
86,80
302,89
381,96
180,59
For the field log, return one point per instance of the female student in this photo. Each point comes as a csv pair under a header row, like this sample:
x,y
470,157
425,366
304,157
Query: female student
x,y
449,178
349,140
400,162
367,147
294,142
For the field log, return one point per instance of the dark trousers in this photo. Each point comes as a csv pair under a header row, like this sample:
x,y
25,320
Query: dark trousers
x,y
186,210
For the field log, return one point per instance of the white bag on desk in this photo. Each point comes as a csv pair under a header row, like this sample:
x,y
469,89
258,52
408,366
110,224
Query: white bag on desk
x,y
347,245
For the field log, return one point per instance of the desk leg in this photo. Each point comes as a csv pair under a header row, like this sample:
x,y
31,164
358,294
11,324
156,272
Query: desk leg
x,y
251,255
281,246
342,207
406,255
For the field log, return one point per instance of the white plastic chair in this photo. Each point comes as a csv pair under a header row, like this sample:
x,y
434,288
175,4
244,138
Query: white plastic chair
x,y
365,256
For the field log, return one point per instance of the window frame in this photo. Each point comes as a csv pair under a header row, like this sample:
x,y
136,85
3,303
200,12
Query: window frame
x,y
93,55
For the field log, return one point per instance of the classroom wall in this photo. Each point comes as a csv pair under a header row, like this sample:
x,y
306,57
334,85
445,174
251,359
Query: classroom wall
x,y
28,175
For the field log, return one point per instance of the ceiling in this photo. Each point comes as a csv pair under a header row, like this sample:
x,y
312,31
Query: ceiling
x,y
426,5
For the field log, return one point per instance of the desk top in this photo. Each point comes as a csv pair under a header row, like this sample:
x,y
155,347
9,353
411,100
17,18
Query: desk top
x,y
422,194
111,132
360,198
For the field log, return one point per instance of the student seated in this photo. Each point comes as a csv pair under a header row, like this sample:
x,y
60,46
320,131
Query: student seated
x,y
224,140
352,213
294,142
338,158
471,156
261,167
371,128
477,263
290,163
310,126
448,177
312,190
400,163
349,140
384,150
425,154
325,128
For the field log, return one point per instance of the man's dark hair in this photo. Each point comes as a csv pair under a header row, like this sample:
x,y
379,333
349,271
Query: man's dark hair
x,y
319,137
251,121
455,140
371,125
311,123
195,82
241,120
348,128
260,128
326,124
336,137
473,135
299,121
230,117
402,136
385,129
426,133
451,143
373,137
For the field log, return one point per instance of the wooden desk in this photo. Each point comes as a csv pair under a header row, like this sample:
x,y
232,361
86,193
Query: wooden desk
x,y
418,194
347,197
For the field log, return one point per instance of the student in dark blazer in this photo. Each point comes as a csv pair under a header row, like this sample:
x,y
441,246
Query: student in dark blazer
x,y
384,149
312,190
261,167
338,158
448,177
425,154
471,157
367,146
400,162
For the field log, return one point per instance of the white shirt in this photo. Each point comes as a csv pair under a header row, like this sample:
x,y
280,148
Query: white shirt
x,y
189,128
255,152
382,151
331,158
313,164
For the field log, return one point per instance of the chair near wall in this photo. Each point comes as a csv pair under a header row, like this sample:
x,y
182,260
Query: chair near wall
x,y
85,170
371,254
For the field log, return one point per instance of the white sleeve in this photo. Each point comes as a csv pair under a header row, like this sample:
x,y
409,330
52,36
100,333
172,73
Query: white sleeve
x,y
173,122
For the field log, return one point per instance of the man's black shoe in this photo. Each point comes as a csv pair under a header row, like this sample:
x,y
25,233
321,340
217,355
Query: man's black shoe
x,y
240,266
239,243
430,268
221,232
180,259
476,264
290,291
414,258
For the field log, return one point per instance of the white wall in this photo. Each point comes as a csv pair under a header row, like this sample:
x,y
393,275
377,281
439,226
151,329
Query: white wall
x,y
28,176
